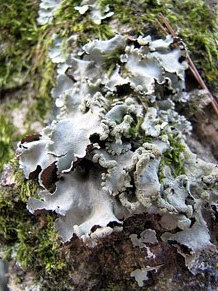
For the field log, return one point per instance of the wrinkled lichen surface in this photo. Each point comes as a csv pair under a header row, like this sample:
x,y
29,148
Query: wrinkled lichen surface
x,y
99,159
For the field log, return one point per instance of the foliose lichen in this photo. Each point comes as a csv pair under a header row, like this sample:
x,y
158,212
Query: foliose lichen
x,y
141,275
99,160
98,12
47,9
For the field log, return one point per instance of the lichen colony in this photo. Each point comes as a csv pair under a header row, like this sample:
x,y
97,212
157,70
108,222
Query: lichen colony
x,y
116,146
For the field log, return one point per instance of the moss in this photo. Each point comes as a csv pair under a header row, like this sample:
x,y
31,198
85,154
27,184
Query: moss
x,y
173,158
18,34
135,129
24,55
25,46
7,139
37,244
30,240
69,22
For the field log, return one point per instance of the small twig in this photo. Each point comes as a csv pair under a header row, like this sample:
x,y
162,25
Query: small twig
x,y
162,27
166,28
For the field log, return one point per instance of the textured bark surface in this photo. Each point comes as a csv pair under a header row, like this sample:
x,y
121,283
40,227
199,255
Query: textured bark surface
x,y
108,266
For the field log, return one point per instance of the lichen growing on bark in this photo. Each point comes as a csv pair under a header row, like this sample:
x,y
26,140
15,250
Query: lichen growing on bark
x,y
111,174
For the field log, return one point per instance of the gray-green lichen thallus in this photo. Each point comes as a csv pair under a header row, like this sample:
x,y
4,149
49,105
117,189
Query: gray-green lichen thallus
x,y
97,169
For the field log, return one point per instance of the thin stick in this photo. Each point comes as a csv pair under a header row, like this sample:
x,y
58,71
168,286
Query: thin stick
x,y
168,26
162,27
167,29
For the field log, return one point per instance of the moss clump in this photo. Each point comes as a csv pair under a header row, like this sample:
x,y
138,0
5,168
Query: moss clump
x,y
68,21
18,35
30,240
173,158
7,139
24,56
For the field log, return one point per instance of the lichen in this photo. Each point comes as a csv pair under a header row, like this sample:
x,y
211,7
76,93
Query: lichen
x,y
47,9
98,13
141,275
111,173
186,15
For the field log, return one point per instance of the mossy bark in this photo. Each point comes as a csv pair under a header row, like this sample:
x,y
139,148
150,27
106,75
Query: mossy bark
x,y
29,243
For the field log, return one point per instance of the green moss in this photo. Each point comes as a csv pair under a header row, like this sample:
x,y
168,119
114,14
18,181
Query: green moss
x,y
7,139
31,240
68,22
18,35
37,244
24,53
24,62
173,158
